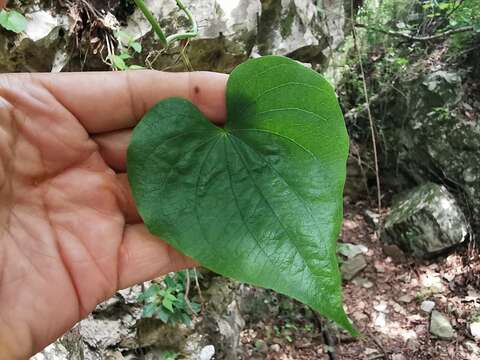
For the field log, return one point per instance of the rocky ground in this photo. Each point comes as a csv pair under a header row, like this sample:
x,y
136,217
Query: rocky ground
x,y
405,308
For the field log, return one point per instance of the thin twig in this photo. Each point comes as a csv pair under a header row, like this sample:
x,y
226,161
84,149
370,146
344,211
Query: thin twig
x,y
167,40
438,36
187,290
197,284
370,119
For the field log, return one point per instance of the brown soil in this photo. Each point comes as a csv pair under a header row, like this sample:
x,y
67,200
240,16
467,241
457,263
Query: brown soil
x,y
388,313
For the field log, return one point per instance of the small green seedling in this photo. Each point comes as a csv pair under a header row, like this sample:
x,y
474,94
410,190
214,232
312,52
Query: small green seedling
x,y
168,302
13,21
128,47
260,199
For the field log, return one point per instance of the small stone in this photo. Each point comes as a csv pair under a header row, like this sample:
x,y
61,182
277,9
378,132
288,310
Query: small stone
x,y
427,306
207,352
381,307
405,299
398,357
472,347
475,329
380,320
440,326
365,283
449,276
353,266
379,268
351,250
425,221
399,308
370,351
275,348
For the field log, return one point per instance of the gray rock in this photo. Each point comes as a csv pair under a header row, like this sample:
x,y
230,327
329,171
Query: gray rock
x,y
55,351
220,325
351,250
352,267
472,347
430,137
207,352
475,329
227,32
275,348
223,320
425,221
40,46
230,31
440,326
365,283
292,28
405,299
427,306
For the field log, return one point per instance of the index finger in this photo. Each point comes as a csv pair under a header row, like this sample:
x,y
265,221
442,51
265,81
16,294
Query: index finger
x,y
108,101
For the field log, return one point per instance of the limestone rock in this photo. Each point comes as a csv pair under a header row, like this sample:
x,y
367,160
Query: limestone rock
x,y
227,32
351,250
430,137
440,326
292,28
425,221
55,351
427,306
475,329
230,31
352,267
207,352
42,47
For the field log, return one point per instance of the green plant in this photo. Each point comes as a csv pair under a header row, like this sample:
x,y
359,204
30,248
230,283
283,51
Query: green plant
x,y
13,21
128,47
259,200
169,302
167,40
169,355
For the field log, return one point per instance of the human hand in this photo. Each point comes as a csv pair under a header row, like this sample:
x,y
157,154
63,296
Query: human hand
x,y
70,235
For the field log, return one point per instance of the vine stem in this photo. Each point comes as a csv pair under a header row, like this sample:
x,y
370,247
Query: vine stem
x,y
151,19
185,35
165,41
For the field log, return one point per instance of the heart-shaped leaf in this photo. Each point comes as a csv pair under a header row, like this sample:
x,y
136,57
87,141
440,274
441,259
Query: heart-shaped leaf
x,y
259,200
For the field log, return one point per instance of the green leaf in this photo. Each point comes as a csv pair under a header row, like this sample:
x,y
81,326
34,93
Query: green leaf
x,y
150,292
167,303
259,200
13,21
136,46
162,315
117,62
124,56
136,67
123,37
149,310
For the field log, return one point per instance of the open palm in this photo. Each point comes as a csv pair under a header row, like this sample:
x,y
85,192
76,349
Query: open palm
x,y
70,235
